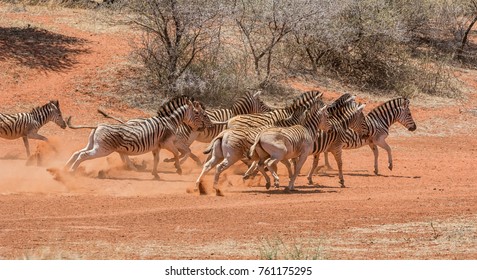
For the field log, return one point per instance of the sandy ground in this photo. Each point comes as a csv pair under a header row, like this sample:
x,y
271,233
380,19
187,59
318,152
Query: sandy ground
x,y
425,208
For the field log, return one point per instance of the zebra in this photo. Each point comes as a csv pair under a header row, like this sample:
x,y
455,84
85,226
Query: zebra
x,y
26,125
258,120
233,144
332,140
378,121
249,103
139,136
282,143
349,115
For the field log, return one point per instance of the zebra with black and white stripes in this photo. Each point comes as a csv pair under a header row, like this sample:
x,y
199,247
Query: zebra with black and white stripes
x,y
249,103
332,141
26,125
233,145
276,144
377,124
140,136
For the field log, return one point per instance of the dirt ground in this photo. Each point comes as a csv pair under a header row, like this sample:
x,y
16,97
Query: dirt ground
x,y
425,208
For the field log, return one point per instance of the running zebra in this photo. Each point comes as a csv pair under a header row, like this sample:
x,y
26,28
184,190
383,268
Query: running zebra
x,y
140,136
26,125
276,144
249,103
233,145
349,115
378,122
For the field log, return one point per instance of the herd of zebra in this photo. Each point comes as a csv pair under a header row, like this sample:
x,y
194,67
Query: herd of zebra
x,y
250,131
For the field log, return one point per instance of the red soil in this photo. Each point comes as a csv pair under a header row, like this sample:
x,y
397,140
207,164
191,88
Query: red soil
x,y
425,208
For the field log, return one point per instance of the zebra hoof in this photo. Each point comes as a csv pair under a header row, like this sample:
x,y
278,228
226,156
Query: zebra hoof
x,y
390,167
310,181
342,184
268,185
179,171
168,160
287,190
156,177
376,172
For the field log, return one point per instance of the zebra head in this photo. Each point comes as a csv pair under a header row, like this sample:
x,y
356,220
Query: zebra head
x,y
196,117
250,103
358,121
55,113
319,117
405,116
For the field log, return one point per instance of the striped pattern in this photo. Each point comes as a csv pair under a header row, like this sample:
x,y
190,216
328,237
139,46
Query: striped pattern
x,y
140,136
26,125
249,103
376,127
233,144
283,143
258,120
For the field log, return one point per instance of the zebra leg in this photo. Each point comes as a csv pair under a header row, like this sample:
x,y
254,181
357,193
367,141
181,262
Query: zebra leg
x,y
287,164
382,143
316,160
224,165
127,161
272,167
75,156
261,168
327,162
27,145
32,135
374,148
96,152
250,171
169,145
337,154
214,158
298,165
155,155
194,158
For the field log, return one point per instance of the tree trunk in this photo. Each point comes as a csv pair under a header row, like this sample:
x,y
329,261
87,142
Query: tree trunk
x,y
460,50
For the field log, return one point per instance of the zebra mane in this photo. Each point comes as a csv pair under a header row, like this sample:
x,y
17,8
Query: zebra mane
x,y
305,99
172,105
40,108
339,102
398,102
244,99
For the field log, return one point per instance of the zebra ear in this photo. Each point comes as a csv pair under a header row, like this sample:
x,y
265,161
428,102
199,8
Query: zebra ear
x,y
256,94
56,103
190,103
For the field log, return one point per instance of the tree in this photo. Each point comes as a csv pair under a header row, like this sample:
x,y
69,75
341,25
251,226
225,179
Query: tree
x,y
264,24
175,33
471,16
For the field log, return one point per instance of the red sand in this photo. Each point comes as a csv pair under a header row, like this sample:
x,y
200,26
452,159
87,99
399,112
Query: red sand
x,y
424,209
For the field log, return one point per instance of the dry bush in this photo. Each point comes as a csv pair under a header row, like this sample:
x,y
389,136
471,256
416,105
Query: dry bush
x,y
90,4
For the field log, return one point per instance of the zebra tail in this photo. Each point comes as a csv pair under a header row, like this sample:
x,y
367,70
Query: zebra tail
x,y
252,152
211,145
106,115
68,123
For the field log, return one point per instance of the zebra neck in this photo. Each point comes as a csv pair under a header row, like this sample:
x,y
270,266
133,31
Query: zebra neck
x,y
175,119
41,115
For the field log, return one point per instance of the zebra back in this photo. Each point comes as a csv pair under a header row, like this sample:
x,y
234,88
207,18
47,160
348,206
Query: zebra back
x,y
272,117
182,109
